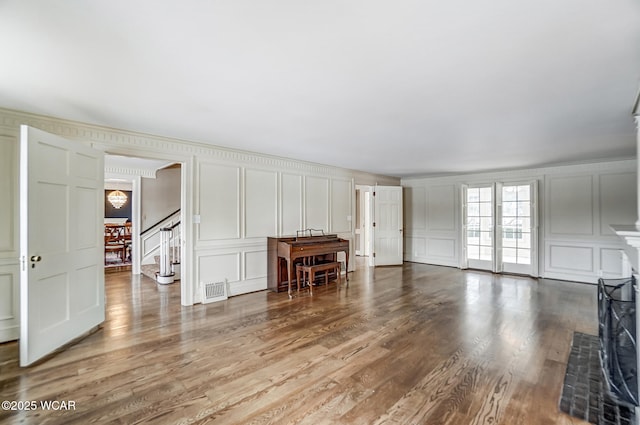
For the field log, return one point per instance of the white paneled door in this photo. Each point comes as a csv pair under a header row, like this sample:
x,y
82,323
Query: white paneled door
x,y
387,226
61,242
509,245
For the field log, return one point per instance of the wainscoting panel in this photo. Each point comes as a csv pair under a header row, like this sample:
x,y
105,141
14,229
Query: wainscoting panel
x,y
415,201
218,202
317,203
255,264
432,217
618,201
611,260
260,199
442,248
570,204
341,206
218,267
567,258
9,303
291,195
441,207
415,248
9,190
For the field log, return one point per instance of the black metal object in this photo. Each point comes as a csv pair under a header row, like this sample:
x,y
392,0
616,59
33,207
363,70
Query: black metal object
x,y
617,335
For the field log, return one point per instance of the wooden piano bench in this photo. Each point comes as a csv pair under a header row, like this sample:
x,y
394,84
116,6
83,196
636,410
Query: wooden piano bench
x,y
309,272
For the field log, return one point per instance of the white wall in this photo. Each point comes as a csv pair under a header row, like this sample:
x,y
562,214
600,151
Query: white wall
x,y
239,197
159,197
576,206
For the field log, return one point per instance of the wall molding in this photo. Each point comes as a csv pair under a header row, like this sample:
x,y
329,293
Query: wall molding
x,y
107,137
611,165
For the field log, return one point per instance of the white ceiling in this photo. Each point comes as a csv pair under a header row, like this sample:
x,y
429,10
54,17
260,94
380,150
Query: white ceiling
x,y
394,87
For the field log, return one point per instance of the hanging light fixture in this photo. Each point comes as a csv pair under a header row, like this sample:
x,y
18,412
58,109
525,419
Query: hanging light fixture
x,y
117,198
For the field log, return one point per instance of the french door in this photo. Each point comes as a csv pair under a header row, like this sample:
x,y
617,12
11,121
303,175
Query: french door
x,y
500,227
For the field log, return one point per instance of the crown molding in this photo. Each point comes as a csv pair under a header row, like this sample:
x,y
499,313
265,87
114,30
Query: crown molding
x,y
622,165
119,141
128,171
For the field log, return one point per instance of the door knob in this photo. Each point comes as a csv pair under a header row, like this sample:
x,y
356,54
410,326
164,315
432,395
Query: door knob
x,y
36,258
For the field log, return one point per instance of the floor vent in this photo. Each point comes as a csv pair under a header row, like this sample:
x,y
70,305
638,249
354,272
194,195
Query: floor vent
x,y
215,291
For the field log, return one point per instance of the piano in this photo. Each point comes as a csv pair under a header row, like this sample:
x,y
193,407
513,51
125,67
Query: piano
x,y
284,253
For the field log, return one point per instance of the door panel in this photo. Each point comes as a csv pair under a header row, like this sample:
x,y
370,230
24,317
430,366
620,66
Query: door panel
x,y
61,242
479,227
518,233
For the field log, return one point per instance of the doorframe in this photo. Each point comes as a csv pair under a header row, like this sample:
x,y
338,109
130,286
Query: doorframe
x,y
187,286
365,219
366,192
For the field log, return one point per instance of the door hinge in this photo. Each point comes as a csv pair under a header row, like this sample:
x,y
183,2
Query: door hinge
x,y
374,224
374,193
374,255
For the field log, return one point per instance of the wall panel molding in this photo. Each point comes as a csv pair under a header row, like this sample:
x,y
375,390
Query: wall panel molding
x,y
570,205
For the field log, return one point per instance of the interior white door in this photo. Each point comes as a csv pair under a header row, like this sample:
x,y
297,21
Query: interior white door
x,y
387,226
61,242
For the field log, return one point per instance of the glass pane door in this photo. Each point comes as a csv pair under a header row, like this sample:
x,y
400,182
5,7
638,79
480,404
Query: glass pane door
x,y
517,235
479,224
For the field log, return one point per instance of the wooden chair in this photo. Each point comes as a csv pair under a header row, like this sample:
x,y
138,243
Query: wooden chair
x,y
114,243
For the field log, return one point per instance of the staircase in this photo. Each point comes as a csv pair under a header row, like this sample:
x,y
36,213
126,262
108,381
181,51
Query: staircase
x,y
152,244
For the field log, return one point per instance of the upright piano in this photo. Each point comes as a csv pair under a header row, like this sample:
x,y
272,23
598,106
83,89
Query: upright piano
x,y
284,253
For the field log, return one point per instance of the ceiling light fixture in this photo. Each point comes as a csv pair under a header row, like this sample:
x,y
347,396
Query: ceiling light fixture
x,y
117,198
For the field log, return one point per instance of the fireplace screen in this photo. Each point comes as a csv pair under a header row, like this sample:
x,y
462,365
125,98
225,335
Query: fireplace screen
x,y
617,333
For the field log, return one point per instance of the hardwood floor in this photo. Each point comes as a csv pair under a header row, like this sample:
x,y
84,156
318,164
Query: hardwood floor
x,y
414,344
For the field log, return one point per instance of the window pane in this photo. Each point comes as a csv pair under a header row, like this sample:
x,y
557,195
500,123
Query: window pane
x,y
486,224
524,193
510,209
509,255
485,194
509,222
524,209
473,252
509,241
473,209
524,256
525,224
509,193
486,209
473,194
485,238
525,240
486,253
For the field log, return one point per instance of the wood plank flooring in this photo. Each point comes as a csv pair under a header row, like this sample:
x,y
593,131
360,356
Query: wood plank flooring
x,y
413,344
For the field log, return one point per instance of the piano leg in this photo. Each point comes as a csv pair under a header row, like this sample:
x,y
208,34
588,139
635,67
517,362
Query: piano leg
x,y
289,277
346,266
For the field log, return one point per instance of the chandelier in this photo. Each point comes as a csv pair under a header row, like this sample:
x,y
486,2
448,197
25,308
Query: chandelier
x,y
117,198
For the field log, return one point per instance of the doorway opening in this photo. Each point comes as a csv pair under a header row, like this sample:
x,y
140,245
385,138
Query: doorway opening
x,y
363,220
152,225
